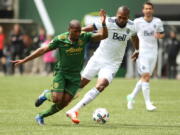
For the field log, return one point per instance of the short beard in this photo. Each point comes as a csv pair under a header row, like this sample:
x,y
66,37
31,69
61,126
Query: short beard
x,y
120,25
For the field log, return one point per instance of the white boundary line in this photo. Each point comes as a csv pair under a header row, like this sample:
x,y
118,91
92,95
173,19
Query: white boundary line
x,y
44,17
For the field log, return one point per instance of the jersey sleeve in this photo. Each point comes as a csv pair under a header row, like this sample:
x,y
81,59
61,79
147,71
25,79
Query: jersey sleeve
x,y
98,24
132,28
135,25
54,43
160,27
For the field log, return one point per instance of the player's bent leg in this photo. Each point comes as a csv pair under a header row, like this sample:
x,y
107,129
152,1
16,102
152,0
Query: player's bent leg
x,y
56,107
130,102
45,95
73,116
67,98
84,82
102,84
146,77
146,91
131,97
52,110
57,96
39,119
88,97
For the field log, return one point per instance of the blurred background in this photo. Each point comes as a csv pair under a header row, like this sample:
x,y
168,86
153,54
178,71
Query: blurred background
x,y
26,25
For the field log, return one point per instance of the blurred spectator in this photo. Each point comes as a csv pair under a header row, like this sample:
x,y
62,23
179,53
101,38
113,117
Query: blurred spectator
x,y
178,68
27,40
49,58
2,56
16,46
172,49
38,65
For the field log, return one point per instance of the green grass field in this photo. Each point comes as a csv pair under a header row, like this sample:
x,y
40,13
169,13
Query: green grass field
x,y
17,111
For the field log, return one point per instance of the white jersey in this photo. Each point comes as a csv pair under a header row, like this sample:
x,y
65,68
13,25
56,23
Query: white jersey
x,y
148,44
112,49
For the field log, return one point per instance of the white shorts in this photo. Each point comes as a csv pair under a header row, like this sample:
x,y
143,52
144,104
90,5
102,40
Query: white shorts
x,y
103,70
146,64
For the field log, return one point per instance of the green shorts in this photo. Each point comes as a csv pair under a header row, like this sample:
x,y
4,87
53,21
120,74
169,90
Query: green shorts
x,y
66,82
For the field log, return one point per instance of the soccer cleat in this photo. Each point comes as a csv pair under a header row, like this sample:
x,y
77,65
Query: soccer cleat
x,y
150,107
73,116
130,103
39,120
41,98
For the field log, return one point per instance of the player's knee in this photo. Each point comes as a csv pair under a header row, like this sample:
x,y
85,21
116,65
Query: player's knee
x,y
64,104
102,84
101,87
56,100
84,82
146,77
82,85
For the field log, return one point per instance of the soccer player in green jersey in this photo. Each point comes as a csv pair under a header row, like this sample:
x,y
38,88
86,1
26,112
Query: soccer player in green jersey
x,y
67,78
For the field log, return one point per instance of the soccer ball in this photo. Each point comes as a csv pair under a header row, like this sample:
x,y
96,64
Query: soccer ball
x,y
101,115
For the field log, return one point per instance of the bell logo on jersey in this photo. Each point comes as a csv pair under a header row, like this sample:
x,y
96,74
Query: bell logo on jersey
x,y
116,36
148,33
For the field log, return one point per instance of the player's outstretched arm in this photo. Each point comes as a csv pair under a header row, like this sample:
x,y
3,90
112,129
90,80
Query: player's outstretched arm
x,y
103,33
88,28
34,55
135,43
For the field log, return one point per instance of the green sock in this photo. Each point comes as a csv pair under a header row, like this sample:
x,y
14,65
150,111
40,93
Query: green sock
x,y
48,95
52,110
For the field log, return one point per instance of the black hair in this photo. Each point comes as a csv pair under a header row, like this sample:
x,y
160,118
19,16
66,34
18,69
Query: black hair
x,y
124,8
148,3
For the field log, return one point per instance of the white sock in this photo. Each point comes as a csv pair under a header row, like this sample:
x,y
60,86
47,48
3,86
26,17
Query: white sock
x,y
146,92
88,97
136,89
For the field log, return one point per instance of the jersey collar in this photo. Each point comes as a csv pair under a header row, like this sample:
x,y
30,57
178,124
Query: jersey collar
x,y
148,21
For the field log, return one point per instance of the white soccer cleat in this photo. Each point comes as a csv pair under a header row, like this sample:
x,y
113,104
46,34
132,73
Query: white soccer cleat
x,y
150,107
130,103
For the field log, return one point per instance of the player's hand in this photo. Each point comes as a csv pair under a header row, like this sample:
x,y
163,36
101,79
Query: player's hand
x,y
102,14
17,62
135,56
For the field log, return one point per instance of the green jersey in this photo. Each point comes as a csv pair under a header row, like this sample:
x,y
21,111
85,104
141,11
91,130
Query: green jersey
x,y
71,55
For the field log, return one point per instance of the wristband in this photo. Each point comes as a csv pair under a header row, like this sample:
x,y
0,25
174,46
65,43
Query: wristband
x,y
136,51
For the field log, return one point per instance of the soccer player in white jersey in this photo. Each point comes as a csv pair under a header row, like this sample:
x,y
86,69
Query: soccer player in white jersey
x,y
149,30
107,59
